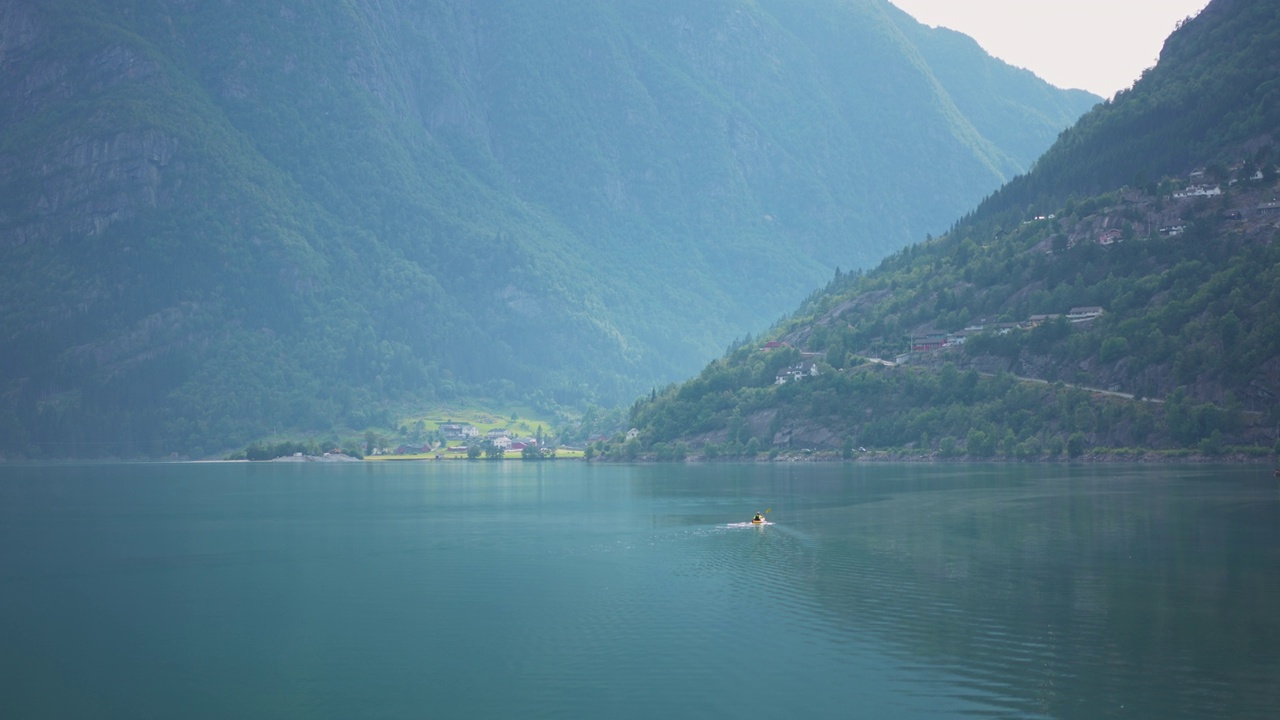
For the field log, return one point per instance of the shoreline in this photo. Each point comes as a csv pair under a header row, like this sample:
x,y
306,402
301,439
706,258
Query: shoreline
x,y
1147,457
1144,457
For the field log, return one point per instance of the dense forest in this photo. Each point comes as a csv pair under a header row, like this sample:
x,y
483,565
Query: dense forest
x,y
222,219
1110,303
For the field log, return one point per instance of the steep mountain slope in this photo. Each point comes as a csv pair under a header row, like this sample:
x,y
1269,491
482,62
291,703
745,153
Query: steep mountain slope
x,y
221,218
1216,86
1152,308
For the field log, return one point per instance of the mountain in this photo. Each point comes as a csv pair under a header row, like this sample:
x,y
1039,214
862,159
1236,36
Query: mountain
x,y
218,219
1118,299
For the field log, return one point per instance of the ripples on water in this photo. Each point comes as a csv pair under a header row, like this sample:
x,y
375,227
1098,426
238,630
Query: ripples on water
x,y
475,590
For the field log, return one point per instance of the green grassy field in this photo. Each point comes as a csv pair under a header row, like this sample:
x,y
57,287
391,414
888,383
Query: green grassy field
x,y
519,419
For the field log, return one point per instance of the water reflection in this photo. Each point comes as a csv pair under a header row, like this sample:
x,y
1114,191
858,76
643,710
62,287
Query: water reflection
x,y
568,590
1067,592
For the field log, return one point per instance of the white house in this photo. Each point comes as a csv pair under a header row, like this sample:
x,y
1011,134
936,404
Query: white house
x,y
1199,191
458,431
796,372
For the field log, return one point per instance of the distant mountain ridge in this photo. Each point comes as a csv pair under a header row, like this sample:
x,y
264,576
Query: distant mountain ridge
x,y
217,219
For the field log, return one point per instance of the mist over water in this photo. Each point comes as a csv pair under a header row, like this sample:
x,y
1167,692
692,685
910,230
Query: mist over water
x,y
564,590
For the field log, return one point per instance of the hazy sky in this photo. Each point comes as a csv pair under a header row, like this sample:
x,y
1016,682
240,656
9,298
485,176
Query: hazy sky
x,y
1098,45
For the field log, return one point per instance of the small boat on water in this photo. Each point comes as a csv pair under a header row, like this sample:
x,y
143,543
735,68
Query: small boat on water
x,y
758,519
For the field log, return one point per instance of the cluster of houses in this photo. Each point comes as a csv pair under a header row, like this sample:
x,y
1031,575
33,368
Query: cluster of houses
x,y
938,340
1199,184
500,437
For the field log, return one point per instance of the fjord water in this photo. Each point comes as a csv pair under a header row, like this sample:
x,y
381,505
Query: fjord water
x,y
463,590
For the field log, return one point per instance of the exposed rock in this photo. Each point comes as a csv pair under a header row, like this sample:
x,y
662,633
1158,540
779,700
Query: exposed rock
x,y
85,184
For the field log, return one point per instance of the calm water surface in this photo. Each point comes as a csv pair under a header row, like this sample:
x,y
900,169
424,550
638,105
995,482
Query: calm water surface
x,y
482,590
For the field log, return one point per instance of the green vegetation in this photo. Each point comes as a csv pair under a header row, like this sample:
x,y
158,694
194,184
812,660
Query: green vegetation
x,y
219,220
1175,281
920,411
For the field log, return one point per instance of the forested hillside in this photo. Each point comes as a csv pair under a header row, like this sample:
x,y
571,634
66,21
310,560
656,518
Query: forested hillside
x,y
221,219
1112,301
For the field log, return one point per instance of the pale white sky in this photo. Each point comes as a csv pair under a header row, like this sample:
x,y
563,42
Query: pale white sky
x,y
1098,45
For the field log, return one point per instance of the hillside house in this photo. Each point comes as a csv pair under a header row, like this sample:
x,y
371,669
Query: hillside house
x,y
1198,191
928,342
1084,314
458,431
796,372
1239,172
1110,237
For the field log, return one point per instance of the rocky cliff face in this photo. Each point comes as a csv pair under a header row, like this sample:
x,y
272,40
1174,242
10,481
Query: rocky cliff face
x,y
85,184
69,182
